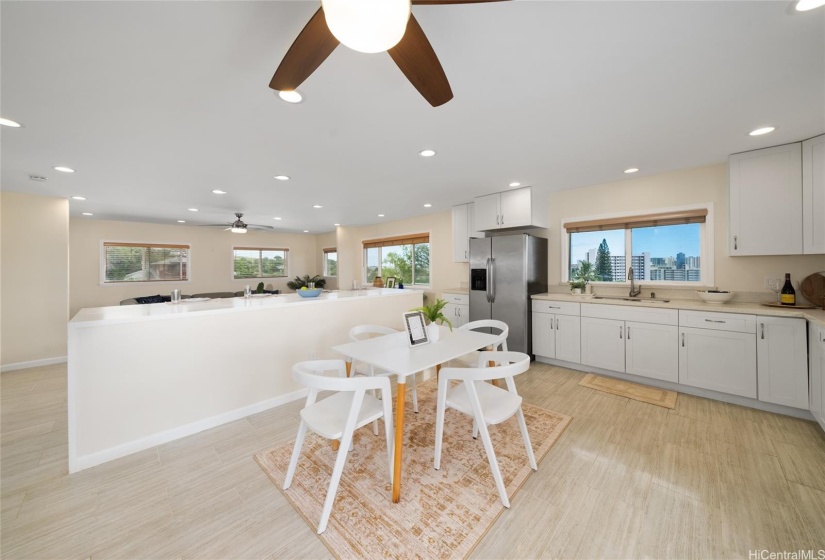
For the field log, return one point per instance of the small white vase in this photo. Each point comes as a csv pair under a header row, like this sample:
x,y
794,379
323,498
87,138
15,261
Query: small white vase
x,y
577,291
588,289
433,332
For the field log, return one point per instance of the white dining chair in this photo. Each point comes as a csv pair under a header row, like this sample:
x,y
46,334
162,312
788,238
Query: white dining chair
x,y
499,327
363,332
485,403
338,416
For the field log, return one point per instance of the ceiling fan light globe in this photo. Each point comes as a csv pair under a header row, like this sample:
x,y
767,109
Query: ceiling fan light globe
x,y
236,229
805,5
368,26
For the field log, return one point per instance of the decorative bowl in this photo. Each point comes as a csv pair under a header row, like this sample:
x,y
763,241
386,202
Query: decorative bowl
x,y
309,293
715,296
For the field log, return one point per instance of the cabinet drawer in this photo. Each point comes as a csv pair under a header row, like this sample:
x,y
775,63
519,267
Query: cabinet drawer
x,y
557,307
460,299
655,315
735,322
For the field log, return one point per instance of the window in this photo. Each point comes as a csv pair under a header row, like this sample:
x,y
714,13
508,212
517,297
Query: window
x,y
254,262
144,262
405,257
331,262
663,247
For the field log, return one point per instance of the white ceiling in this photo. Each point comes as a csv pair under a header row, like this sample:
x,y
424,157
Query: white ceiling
x,y
157,103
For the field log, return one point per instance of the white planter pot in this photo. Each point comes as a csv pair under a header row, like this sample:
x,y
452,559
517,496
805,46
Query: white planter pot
x,y
577,291
433,333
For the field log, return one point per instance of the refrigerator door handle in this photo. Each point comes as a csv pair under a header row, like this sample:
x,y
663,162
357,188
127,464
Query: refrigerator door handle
x,y
489,281
492,280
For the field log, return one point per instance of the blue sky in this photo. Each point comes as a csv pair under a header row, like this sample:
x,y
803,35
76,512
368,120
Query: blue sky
x,y
660,242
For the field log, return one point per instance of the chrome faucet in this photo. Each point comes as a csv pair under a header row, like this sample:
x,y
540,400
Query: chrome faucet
x,y
633,290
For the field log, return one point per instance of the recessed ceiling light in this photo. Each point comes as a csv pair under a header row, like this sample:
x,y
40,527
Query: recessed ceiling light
x,y
218,191
515,184
78,198
193,209
317,206
631,170
276,218
336,225
805,5
306,231
88,214
181,221
282,177
293,96
428,205
9,122
380,215
64,169
761,131
426,153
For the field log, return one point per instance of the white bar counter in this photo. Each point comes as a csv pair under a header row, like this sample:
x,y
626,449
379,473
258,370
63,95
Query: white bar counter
x,y
142,375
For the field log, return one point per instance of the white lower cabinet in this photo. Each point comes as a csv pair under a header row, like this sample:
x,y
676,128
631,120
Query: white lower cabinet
x,y
457,310
556,330
817,365
603,343
652,350
781,361
719,360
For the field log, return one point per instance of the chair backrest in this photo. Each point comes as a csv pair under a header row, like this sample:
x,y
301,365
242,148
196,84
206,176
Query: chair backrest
x,y
509,365
500,326
362,332
311,374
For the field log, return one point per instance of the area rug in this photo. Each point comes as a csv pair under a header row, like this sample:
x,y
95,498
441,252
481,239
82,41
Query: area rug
x,y
442,514
643,393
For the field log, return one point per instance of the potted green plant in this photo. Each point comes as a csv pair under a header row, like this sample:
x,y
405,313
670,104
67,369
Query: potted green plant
x,y
583,275
433,314
300,282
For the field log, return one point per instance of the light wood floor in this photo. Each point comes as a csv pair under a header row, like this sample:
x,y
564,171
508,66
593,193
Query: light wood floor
x,y
627,479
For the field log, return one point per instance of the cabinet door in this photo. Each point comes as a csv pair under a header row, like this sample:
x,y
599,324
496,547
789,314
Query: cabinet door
x,y
450,311
515,208
652,350
544,337
782,361
813,195
602,343
462,315
718,360
472,230
487,212
766,201
461,237
817,359
568,338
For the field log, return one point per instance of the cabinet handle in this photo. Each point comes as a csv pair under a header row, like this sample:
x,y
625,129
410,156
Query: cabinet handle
x,y
553,307
496,219
465,254
763,330
714,321
621,329
628,333
557,324
683,340
551,323
502,219
735,242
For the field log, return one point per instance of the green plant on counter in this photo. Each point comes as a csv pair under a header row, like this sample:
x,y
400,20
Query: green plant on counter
x,y
260,288
433,312
300,282
583,275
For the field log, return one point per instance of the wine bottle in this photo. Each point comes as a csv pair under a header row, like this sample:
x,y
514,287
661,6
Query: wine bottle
x,y
788,294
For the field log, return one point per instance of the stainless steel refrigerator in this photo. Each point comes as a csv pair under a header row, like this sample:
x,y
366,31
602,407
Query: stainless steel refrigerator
x,y
504,272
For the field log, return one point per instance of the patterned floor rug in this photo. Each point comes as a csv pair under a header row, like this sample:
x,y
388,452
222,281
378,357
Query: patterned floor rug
x,y
442,514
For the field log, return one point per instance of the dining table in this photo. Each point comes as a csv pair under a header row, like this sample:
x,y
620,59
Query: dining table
x,y
394,354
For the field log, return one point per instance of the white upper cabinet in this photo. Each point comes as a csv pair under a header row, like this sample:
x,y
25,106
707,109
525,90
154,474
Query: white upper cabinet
x,y
766,201
463,230
813,195
516,208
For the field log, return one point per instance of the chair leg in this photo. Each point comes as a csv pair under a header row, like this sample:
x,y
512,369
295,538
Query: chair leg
x,y
341,458
296,452
526,437
475,429
491,457
439,420
414,394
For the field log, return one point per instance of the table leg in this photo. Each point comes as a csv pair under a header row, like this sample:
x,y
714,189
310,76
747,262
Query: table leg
x,y
348,364
437,370
399,442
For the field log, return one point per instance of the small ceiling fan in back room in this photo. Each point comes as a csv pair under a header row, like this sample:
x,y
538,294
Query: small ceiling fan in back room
x,y
369,26
239,226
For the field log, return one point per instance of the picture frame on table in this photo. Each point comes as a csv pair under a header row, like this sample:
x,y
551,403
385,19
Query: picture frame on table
x,y
391,282
416,328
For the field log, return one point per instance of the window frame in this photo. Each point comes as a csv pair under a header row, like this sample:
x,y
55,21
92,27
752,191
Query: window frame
x,y
706,248
325,252
259,249
392,238
102,282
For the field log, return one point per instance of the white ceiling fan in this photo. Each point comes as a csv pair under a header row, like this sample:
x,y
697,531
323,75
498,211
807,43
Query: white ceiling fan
x,y
239,226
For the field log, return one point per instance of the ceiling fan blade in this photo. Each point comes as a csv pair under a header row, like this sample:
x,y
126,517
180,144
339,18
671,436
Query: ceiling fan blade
x,y
417,60
312,46
254,226
436,2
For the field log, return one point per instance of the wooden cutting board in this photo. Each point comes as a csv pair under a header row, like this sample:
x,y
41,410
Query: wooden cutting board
x,y
813,288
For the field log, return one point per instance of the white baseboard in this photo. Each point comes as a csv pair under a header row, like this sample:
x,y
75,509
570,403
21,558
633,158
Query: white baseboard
x,y
33,363
79,463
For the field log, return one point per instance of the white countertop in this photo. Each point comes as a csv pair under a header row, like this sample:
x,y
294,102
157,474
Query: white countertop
x,y
95,316
813,315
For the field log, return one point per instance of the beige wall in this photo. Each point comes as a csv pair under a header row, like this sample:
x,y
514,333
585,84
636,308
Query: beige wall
x,y
444,273
685,187
34,290
210,259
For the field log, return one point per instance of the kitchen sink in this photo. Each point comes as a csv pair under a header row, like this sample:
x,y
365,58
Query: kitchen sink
x,y
640,300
